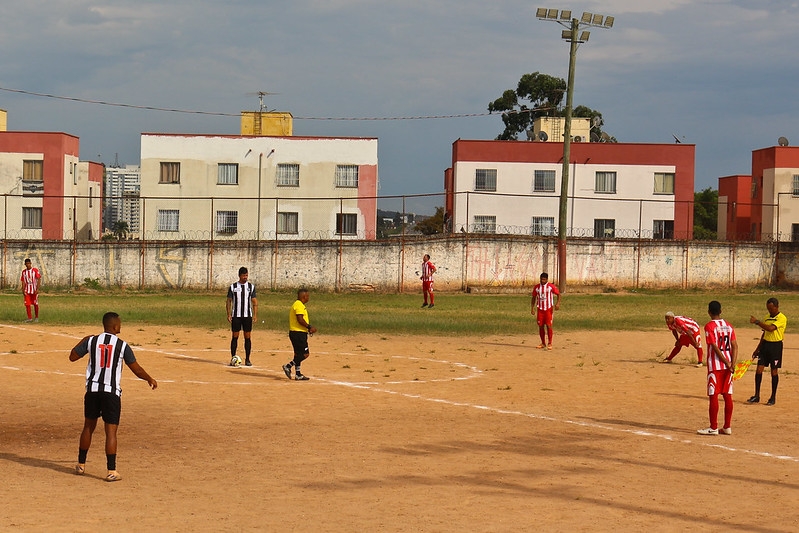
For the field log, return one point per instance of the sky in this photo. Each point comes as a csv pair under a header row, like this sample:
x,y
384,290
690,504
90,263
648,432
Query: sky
x,y
720,74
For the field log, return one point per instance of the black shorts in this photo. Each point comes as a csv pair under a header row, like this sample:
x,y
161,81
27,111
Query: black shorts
x,y
299,341
238,323
770,354
105,404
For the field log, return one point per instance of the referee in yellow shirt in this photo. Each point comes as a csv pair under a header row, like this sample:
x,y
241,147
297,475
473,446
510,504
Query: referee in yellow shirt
x,y
769,350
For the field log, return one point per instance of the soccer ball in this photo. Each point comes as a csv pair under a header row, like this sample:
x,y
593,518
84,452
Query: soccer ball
x,y
235,361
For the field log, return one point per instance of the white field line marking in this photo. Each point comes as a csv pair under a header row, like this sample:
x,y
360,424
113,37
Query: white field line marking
x,y
371,387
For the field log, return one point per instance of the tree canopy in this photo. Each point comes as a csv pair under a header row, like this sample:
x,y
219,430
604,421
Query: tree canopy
x,y
536,95
706,210
433,224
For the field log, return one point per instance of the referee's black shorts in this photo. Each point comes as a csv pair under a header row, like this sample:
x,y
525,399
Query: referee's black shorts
x,y
299,341
770,354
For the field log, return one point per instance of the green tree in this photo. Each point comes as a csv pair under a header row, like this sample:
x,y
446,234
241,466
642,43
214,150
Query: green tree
x,y
432,225
120,229
536,95
706,210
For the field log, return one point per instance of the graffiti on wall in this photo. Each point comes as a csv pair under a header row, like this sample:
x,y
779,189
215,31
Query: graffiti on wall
x,y
500,266
170,261
37,257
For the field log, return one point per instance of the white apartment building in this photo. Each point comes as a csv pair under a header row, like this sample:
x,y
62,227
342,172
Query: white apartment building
x,y
122,191
615,190
258,187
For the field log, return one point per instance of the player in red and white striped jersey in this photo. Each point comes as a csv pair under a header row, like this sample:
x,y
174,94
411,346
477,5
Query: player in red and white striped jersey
x,y
30,289
546,298
106,353
722,351
686,333
428,269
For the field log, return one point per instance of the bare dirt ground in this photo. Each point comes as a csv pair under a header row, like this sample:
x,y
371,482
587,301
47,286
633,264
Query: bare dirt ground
x,y
395,434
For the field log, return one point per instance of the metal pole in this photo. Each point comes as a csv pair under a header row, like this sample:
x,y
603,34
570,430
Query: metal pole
x,y
258,207
564,184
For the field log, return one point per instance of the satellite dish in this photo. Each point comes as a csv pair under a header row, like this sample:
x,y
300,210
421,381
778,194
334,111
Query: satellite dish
x,y
530,135
596,122
594,137
542,136
782,141
604,137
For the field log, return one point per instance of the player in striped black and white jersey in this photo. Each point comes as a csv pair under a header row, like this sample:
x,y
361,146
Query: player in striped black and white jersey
x,y
722,352
106,352
30,289
546,298
242,311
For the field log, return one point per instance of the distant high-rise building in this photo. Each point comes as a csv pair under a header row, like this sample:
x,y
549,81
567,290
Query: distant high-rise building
x,y
122,186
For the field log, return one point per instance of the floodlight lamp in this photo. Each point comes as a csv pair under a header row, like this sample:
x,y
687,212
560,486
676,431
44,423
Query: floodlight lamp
x,y
597,20
566,35
609,21
552,14
565,14
586,18
584,36
541,13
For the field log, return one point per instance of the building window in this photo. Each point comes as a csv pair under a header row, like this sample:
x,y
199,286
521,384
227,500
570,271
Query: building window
x,y
796,185
91,192
485,224
605,182
288,175
227,174
664,183
543,226
346,224
794,232
663,229
227,222
168,220
32,218
347,176
170,173
544,181
288,223
604,228
485,179
33,170
754,187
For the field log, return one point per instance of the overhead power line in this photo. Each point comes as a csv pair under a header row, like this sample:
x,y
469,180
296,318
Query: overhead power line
x,y
219,114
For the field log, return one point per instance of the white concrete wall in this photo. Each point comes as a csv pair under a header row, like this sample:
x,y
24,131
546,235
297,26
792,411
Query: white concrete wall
x,y
463,261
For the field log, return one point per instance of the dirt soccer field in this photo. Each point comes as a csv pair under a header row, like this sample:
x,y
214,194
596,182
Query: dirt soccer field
x,y
396,434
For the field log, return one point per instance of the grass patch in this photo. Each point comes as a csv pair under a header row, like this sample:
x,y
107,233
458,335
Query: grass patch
x,y
455,313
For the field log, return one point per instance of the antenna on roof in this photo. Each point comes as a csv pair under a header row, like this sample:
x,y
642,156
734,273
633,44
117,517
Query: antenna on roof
x,y
260,95
782,141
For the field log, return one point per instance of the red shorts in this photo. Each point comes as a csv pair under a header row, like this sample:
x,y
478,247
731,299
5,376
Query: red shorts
x,y
685,340
31,299
719,382
427,286
544,317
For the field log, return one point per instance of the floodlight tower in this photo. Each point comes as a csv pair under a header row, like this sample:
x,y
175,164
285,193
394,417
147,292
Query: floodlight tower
x,y
574,36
